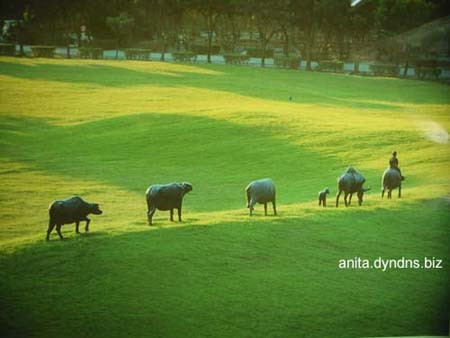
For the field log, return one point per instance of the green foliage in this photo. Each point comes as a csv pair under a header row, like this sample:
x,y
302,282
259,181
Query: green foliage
x,y
385,69
331,66
235,58
138,54
7,49
327,26
185,56
291,61
90,53
203,49
120,26
104,43
401,15
259,52
423,72
43,51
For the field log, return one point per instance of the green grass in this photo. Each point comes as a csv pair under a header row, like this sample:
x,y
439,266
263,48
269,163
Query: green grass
x,y
107,130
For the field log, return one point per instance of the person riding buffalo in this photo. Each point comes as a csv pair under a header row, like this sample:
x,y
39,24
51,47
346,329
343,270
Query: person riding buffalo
x,y
393,163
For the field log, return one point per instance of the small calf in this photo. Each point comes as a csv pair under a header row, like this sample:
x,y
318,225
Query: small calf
x,y
323,197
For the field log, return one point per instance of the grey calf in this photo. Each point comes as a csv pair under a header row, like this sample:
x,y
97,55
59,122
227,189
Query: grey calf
x,y
323,197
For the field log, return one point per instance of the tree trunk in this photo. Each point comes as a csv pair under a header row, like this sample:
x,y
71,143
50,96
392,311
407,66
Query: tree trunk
x,y
406,69
235,37
68,45
356,65
286,43
164,38
325,50
19,41
310,43
308,58
263,56
163,51
209,45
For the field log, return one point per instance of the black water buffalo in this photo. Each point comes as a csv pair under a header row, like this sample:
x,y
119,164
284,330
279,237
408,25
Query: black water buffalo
x,y
261,191
166,197
391,179
349,183
71,210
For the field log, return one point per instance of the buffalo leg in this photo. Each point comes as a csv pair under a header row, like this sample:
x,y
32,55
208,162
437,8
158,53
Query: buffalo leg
x,y
274,207
265,209
350,199
400,191
50,229
337,198
345,199
150,214
171,215
250,207
77,225
320,202
151,208
389,193
324,202
179,213
382,192
58,230
86,228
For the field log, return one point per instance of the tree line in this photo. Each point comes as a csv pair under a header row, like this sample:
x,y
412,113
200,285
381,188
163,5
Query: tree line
x,y
317,28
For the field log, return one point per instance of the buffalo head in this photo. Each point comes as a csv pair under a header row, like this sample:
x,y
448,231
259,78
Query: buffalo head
x,y
361,194
187,187
95,209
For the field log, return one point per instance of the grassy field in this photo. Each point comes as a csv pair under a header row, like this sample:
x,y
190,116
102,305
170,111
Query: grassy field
x,y
106,130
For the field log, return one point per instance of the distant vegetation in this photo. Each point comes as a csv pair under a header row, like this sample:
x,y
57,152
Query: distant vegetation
x,y
313,29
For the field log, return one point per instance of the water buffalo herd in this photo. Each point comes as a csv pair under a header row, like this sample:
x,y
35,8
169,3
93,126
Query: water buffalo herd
x,y
170,196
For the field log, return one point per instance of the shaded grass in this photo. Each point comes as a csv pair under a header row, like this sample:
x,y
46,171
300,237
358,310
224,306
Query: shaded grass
x,y
263,279
135,151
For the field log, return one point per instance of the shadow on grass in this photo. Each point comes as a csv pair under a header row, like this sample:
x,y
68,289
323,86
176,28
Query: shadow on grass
x,y
263,279
132,152
301,87
95,74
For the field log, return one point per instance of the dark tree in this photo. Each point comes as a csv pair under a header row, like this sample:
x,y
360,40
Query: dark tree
x,y
120,26
361,19
264,15
306,15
